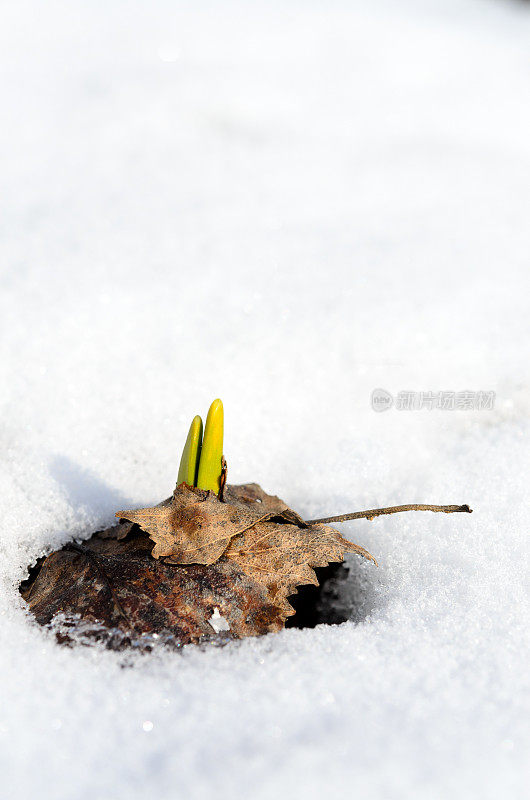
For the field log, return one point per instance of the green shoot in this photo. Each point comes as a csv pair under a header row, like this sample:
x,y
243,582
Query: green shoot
x,y
189,462
210,467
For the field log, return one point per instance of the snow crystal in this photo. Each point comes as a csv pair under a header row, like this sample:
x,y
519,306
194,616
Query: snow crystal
x,y
286,206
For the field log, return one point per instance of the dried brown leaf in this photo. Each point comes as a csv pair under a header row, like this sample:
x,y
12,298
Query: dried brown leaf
x,y
268,541
282,556
195,527
165,569
118,585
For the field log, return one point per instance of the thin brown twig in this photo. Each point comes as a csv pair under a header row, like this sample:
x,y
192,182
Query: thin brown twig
x,y
224,474
377,512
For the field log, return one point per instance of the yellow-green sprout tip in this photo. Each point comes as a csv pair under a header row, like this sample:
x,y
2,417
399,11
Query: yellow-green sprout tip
x,y
210,467
189,462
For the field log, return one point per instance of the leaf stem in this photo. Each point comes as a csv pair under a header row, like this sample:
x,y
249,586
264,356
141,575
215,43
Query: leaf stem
x,y
377,512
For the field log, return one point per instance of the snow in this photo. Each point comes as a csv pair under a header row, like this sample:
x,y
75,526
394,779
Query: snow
x,y
286,206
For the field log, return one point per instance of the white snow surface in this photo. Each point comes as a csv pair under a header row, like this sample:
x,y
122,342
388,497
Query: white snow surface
x,y
285,205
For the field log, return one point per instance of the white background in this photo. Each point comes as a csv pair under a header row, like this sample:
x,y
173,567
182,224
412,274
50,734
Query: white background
x,y
286,206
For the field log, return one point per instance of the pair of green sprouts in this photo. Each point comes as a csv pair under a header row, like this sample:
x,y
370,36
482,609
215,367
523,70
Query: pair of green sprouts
x,y
201,461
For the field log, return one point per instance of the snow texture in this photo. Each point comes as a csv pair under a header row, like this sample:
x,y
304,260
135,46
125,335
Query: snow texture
x,y
285,205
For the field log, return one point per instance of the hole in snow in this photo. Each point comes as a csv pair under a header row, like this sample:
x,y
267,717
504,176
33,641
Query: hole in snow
x,y
346,592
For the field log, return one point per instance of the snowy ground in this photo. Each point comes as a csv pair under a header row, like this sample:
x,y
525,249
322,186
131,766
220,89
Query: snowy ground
x,y
284,205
